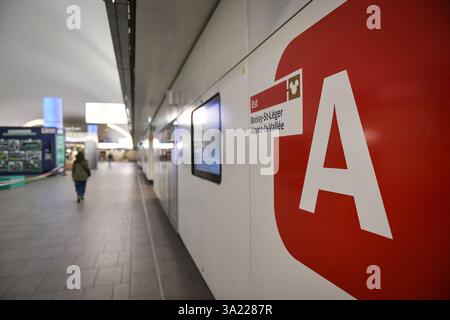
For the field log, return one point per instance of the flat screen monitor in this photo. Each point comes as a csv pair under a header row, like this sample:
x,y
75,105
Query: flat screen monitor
x,y
206,145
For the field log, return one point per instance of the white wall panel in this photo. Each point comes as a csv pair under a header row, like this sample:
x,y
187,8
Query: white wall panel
x,y
214,219
225,39
265,16
226,206
191,214
191,81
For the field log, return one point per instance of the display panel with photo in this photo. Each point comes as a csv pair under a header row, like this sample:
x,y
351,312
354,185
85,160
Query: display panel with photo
x,y
30,145
32,165
4,155
3,145
34,155
17,155
13,145
3,166
15,166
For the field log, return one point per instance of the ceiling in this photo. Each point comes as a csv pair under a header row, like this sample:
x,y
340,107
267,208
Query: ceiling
x,y
166,30
40,56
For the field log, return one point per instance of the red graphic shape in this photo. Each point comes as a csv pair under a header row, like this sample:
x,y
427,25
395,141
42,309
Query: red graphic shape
x,y
269,97
400,80
335,157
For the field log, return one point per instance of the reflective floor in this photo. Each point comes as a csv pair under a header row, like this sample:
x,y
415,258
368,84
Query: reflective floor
x,y
118,236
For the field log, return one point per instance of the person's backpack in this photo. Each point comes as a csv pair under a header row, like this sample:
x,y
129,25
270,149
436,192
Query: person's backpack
x,y
88,172
86,169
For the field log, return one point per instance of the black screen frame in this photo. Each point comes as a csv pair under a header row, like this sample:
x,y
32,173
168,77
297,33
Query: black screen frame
x,y
216,178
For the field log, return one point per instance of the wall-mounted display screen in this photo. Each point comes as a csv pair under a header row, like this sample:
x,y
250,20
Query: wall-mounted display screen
x,y
206,145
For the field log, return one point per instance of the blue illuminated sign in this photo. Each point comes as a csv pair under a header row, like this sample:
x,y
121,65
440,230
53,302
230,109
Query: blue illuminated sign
x,y
92,128
53,113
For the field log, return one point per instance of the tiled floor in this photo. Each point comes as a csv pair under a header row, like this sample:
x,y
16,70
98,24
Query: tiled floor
x,y
43,231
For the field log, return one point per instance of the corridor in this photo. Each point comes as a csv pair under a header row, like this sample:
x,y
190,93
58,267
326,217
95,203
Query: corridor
x,y
118,236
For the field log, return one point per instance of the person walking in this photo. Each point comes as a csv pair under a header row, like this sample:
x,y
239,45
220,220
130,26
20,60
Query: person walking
x,y
110,158
80,175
